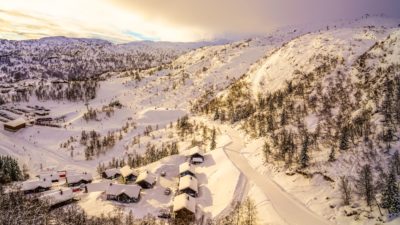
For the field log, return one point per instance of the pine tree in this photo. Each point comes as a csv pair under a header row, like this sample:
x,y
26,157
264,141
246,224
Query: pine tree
x,y
345,190
304,158
344,138
250,212
266,151
396,162
216,115
391,194
9,170
332,155
365,184
213,144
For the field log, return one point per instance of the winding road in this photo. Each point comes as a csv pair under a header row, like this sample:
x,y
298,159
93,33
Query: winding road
x,y
288,208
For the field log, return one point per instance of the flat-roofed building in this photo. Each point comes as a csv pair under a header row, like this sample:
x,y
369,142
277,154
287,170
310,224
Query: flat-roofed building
x,y
15,125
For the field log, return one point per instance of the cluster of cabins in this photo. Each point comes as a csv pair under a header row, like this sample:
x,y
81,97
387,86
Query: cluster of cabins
x,y
184,203
145,179
61,195
129,191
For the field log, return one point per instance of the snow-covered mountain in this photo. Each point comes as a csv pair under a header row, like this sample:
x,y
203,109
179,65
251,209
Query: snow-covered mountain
x,y
324,108
74,58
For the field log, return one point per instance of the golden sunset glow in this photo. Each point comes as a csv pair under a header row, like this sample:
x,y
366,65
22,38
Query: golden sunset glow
x,y
170,20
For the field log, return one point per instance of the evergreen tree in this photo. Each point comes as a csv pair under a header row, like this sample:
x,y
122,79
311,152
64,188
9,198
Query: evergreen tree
x,y
9,170
365,184
266,151
216,115
345,190
213,144
391,195
396,162
304,158
332,155
344,138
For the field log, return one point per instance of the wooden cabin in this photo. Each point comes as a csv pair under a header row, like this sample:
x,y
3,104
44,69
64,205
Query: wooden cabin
x,y
36,186
189,185
128,174
195,155
184,207
186,168
78,179
51,175
111,173
123,193
58,198
146,180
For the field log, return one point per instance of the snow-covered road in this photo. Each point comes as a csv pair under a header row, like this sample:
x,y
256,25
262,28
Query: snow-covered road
x,y
288,208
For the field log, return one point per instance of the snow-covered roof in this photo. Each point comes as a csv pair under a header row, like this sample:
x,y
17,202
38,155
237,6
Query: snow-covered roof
x,y
186,166
192,151
52,175
58,196
184,201
78,177
188,182
112,172
132,191
35,183
126,171
16,122
98,187
146,176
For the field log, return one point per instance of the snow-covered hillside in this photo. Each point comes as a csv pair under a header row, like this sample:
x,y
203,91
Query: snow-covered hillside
x,y
77,58
320,111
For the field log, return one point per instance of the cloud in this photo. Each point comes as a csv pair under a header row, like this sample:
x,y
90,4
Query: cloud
x,y
172,20
83,18
246,16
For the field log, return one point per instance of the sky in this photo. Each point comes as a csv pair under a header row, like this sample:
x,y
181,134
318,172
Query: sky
x,y
172,20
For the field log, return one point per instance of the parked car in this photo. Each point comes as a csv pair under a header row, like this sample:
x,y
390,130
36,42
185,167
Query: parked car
x,y
164,214
167,191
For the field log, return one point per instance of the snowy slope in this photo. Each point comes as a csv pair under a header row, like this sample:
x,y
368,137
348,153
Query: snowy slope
x,y
304,54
